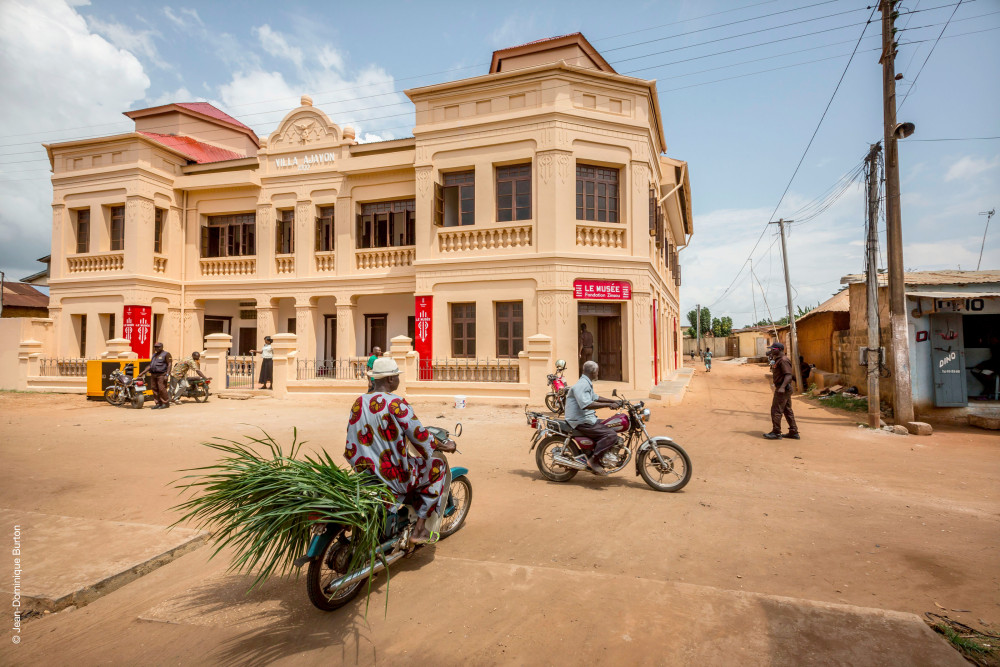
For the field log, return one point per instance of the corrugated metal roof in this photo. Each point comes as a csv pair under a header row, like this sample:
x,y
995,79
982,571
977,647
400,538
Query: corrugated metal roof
x,y
932,278
957,295
21,295
197,151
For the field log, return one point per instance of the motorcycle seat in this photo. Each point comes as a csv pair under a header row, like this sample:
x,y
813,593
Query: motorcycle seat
x,y
565,427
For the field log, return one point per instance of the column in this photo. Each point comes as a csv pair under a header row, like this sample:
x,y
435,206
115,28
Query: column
x,y
401,351
347,345
540,361
265,240
170,332
557,319
554,212
63,241
266,314
285,362
213,362
305,241
305,328
343,228
635,207
193,336
139,224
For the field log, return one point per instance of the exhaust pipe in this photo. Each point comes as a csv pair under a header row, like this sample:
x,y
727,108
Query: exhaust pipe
x,y
568,463
354,577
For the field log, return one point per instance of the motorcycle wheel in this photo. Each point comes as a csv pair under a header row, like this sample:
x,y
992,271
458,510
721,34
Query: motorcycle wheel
x,y
114,396
553,404
138,400
543,459
202,395
332,564
461,496
672,477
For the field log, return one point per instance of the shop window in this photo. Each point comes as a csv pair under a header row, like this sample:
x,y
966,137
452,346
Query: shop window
x,y
456,200
596,193
324,229
285,230
158,230
386,224
229,235
510,328
83,230
463,329
514,193
117,227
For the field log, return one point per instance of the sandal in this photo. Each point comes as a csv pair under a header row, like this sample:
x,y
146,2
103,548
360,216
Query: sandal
x,y
430,539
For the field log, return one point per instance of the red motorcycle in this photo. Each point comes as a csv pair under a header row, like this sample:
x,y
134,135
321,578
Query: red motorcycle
x,y
555,400
562,451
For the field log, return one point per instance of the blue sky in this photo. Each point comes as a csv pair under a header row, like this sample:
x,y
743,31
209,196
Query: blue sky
x,y
71,68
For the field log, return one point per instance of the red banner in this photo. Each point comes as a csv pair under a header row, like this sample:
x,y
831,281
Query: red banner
x,y
137,328
607,290
424,332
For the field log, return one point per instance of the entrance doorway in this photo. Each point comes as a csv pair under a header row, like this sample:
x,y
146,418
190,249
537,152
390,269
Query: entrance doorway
x,y
604,322
248,340
375,331
329,336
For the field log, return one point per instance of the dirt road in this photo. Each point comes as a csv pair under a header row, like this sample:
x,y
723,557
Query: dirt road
x,y
541,569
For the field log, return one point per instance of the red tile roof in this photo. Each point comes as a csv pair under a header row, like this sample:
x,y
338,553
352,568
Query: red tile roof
x,y
209,110
195,150
20,295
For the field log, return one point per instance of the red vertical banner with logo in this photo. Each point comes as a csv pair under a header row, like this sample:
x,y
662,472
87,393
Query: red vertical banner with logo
x,y
137,328
424,332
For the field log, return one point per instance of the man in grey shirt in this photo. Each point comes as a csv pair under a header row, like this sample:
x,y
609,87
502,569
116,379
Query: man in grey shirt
x,y
581,401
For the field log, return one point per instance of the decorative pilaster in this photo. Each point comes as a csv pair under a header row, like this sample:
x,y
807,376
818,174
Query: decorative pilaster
x,y
305,328
63,241
139,226
553,187
265,322
265,240
305,242
347,345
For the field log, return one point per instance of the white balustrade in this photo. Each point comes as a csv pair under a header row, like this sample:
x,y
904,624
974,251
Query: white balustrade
x,y
484,238
228,266
384,258
96,262
594,236
326,261
284,264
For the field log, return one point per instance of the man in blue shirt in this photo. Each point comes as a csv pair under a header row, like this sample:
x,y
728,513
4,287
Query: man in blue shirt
x,y
581,401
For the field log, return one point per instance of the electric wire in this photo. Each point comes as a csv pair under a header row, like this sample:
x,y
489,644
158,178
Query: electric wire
x,y
929,54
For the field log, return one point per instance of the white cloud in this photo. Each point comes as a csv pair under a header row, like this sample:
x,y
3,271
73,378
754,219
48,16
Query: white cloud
x,y
970,167
138,42
184,17
57,74
276,44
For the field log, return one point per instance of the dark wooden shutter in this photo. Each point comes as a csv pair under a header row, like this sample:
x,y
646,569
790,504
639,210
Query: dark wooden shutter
x,y
204,241
359,231
652,212
319,231
438,217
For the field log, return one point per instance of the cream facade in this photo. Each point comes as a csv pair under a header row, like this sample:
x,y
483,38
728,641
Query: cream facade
x,y
494,208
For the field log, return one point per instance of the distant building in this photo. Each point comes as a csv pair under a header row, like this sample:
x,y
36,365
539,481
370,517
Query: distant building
x,y
817,331
41,277
21,300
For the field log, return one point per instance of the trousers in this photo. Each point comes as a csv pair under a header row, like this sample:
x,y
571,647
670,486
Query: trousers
x,y
160,393
781,404
604,438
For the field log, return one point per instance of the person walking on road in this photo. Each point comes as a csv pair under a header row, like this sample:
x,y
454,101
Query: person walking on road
x,y
781,403
708,360
159,372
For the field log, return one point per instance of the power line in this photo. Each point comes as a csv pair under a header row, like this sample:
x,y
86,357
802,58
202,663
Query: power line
x,y
929,54
957,139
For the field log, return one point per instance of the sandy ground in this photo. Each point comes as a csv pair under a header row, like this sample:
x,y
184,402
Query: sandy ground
x,y
842,516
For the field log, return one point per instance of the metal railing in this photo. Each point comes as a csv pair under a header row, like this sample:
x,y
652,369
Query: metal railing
x,y
331,369
475,370
240,372
70,367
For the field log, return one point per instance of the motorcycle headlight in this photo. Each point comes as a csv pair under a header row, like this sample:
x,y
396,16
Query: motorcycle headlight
x,y
645,415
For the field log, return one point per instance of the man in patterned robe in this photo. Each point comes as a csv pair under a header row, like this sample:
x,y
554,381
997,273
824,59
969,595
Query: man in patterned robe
x,y
381,431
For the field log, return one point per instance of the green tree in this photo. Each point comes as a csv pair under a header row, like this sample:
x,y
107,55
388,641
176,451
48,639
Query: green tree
x,y
725,326
716,327
706,319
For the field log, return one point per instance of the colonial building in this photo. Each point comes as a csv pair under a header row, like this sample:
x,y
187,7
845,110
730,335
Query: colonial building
x,y
529,200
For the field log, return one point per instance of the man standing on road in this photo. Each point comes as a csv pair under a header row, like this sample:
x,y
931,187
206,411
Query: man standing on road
x,y
781,404
376,353
159,371
581,401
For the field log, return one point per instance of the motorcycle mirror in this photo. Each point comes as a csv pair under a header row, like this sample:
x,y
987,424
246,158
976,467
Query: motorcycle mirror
x,y
458,429
614,392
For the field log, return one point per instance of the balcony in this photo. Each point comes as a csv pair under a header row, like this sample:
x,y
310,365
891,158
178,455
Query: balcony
x,y
384,258
601,235
326,261
223,267
97,262
284,265
462,239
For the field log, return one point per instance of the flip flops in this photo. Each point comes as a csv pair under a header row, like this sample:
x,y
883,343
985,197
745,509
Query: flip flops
x,y
431,539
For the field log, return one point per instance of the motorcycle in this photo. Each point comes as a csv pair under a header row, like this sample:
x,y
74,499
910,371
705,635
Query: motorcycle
x,y
197,388
329,581
126,389
561,452
555,400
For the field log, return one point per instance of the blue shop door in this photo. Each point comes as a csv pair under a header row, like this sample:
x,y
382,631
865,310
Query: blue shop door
x,y
948,361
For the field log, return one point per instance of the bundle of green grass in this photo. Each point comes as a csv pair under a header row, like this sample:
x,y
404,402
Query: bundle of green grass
x,y
262,506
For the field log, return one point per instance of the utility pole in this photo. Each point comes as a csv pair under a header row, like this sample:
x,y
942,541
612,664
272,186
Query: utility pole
x,y
902,408
793,337
988,214
697,333
871,282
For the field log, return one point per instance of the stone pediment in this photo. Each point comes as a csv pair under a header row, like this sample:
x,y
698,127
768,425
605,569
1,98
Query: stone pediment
x,y
307,128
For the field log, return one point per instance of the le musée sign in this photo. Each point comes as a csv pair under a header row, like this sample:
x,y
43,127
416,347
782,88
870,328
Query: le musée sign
x,y
602,290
